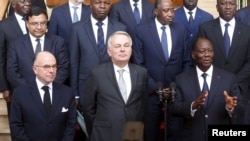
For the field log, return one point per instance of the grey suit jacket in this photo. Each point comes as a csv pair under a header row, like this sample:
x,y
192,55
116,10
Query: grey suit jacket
x,y
9,30
84,54
238,59
104,105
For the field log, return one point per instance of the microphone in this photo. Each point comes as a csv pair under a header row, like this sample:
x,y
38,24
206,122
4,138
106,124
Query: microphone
x,y
159,90
172,92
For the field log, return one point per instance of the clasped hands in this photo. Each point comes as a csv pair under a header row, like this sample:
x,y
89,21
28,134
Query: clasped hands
x,y
231,101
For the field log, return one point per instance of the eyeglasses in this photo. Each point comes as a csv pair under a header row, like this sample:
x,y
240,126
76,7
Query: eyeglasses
x,y
48,67
36,24
23,1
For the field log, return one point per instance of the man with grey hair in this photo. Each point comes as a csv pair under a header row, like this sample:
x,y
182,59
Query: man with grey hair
x,y
116,92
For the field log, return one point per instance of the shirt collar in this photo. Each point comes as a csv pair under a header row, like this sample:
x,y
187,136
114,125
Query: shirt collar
x,y
118,68
94,21
223,22
40,84
209,72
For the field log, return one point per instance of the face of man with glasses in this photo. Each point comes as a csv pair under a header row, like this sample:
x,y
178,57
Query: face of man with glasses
x,y
21,7
37,25
45,67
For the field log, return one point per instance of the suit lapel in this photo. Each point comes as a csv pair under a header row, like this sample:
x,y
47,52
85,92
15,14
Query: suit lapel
x,y
154,34
129,11
47,43
14,24
28,45
235,40
216,29
37,99
133,77
55,101
66,13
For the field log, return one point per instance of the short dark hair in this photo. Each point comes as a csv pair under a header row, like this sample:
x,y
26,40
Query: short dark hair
x,y
35,11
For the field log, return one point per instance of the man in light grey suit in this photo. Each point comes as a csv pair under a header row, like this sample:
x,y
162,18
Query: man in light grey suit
x,y
106,105
84,47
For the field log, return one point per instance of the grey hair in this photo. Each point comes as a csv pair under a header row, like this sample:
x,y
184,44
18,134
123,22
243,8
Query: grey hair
x,y
118,33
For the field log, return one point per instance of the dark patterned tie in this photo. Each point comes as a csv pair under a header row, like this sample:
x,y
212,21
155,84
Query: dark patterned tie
x,y
205,86
46,99
136,12
164,42
191,19
38,46
226,39
100,38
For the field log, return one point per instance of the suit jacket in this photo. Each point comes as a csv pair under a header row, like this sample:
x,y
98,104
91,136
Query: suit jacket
x,y
21,54
60,21
122,12
104,104
238,59
39,3
243,15
147,52
84,54
188,89
9,30
29,120
200,17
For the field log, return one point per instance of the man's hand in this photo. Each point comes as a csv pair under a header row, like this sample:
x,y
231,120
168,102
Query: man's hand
x,y
231,101
200,101
6,95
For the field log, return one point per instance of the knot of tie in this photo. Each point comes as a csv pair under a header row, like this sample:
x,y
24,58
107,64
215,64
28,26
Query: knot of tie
x,y
45,88
204,75
99,24
75,8
163,27
227,25
190,12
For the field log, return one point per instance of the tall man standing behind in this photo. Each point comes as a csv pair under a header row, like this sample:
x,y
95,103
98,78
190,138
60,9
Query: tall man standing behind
x,y
22,50
160,47
62,18
116,91
190,16
231,41
11,28
132,12
88,44
43,110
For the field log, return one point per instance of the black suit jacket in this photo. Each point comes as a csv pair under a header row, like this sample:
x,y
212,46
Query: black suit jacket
x,y
104,105
9,30
20,57
238,59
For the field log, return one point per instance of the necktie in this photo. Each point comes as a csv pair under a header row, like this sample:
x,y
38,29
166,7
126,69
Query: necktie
x,y
24,21
164,42
205,86
226,39
122,85
136,12
46,99
100,38
38,46
75,17
191,19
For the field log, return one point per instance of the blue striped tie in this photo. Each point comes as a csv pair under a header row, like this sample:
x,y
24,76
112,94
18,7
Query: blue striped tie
x,y
100,39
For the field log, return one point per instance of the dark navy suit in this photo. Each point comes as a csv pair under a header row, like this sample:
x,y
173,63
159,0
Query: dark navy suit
x,y
147,52
60,21
84,53
188,90
29,120
21,54
200,17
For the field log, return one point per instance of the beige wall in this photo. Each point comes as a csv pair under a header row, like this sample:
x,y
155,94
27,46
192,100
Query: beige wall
x,y
209,6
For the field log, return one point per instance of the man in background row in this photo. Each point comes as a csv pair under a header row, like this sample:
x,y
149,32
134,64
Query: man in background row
x,y
22,50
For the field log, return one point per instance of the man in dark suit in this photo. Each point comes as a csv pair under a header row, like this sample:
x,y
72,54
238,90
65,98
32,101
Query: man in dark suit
x,y
11,28
62,18
41,114
84,45
21,51
123,11
232,55
39,3
106,104
199,106
163,60
183,14
243,15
